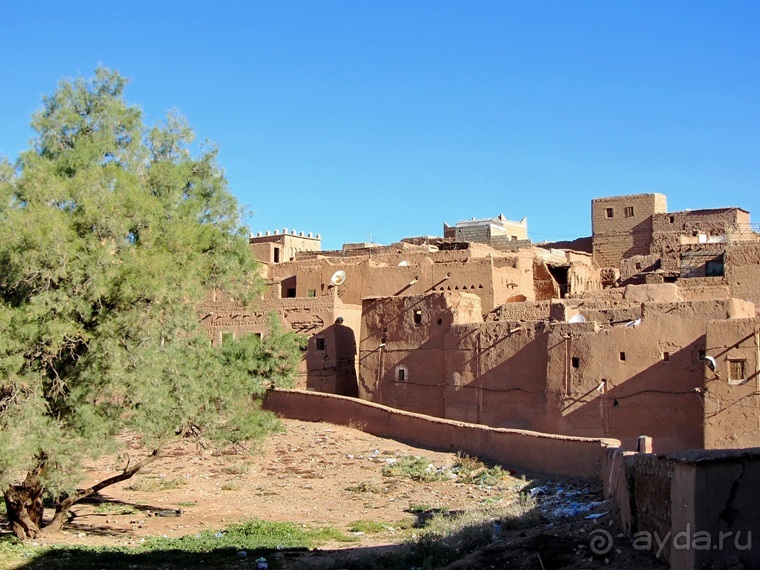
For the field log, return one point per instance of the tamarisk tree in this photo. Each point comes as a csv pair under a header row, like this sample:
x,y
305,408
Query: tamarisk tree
x,y
110,234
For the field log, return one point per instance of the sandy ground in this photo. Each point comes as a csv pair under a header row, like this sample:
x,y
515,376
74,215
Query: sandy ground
x,y
320,474
312,473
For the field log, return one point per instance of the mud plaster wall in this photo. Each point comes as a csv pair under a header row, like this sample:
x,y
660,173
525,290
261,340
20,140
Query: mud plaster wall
x,y
732,405
626,381
493,279
407,333
608,380
311,317
652,495
702,504
618,233
674,229
530,451
742,267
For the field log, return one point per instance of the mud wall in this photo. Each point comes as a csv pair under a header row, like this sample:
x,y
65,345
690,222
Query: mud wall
x,y
693,509
732,391
742,266
332,327
630,370
530,451
622,226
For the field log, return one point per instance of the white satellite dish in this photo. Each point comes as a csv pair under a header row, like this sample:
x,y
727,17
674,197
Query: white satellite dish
x,y
577,319
338,278
403,263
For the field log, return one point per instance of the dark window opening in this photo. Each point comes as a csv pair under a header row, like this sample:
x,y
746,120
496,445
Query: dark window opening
x,y
715,268
290,292
440,321
276,255
702,354
401,374
622,357
321,344
672,219
576,362
638,265
560,276
615,404
666,357
417,317
609,212
629,211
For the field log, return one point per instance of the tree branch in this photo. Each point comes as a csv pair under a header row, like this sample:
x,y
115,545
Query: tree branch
x,y
62,508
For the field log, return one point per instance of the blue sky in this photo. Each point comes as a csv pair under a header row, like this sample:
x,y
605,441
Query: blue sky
x,y
391,117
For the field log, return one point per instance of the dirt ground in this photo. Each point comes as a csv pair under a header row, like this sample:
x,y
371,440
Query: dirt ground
x,y
323,474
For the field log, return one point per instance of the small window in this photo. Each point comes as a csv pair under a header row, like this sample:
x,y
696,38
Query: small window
x,y
514,238
576,362
629,211
666,357
672,219
609,212
736,369
702,354
417,317
402,373
622,357
311,293
290,292
276,255
321,345
638,266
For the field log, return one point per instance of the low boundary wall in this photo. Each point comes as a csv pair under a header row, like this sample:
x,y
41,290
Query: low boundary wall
x,y
526,450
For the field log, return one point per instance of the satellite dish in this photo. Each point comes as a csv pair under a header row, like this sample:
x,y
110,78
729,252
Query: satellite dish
x,y
711,364
577,319
338,278
403,263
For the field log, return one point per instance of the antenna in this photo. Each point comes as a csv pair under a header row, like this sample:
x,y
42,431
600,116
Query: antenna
x,y
338,278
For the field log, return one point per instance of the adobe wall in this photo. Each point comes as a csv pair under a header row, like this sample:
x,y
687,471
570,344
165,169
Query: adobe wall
x,y
622,226
742,266
732,404
333,369
632,368
697,509
493,276
524,450
694,227
408,333
625,381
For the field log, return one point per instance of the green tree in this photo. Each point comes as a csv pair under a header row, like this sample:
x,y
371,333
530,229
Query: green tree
x,y
110,234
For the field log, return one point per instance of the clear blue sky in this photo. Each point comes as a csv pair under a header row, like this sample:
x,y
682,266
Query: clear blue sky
x,y
391,117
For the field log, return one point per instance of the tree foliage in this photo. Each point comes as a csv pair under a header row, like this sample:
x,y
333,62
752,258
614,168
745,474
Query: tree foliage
x,y
110,234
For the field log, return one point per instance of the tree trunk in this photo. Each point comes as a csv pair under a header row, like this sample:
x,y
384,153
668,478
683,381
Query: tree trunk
x,y
62,508
24,507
